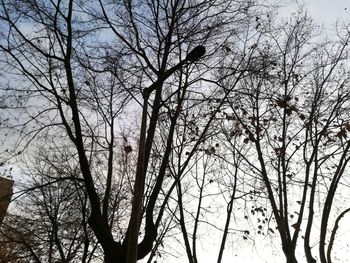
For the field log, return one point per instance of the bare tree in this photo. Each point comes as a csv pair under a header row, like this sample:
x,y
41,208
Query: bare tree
x,y
81,67
292,110
48,222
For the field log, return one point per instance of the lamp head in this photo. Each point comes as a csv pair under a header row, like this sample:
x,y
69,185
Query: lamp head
x,y
195,53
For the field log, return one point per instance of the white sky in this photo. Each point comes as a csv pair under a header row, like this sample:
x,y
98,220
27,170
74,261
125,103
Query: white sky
x,y
324,11
329,11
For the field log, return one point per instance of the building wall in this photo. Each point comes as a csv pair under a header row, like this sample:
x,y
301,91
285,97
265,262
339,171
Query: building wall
x,y
5,196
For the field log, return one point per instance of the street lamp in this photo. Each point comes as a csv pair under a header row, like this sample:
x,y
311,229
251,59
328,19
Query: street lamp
x,y
195,54
192,56
136,211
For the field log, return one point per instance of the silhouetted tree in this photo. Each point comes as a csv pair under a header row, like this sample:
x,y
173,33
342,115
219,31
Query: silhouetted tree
x,y
292,110
77,68
48,221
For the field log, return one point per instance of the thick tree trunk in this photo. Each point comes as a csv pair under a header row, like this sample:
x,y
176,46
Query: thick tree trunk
x,y
290,256
115,254
289,252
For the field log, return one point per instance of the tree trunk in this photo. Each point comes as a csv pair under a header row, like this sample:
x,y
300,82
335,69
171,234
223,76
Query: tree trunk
x,y
289,252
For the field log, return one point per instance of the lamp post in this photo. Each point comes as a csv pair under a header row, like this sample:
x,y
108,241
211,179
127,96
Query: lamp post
x,y
136,212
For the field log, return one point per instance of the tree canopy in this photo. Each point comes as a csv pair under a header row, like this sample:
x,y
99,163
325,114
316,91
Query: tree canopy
x,y
157,130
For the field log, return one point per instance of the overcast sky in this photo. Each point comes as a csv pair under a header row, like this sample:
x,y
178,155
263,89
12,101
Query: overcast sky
x,y
328,10
325,11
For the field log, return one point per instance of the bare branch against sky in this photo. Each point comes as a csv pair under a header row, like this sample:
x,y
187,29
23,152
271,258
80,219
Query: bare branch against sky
x,y
175,130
